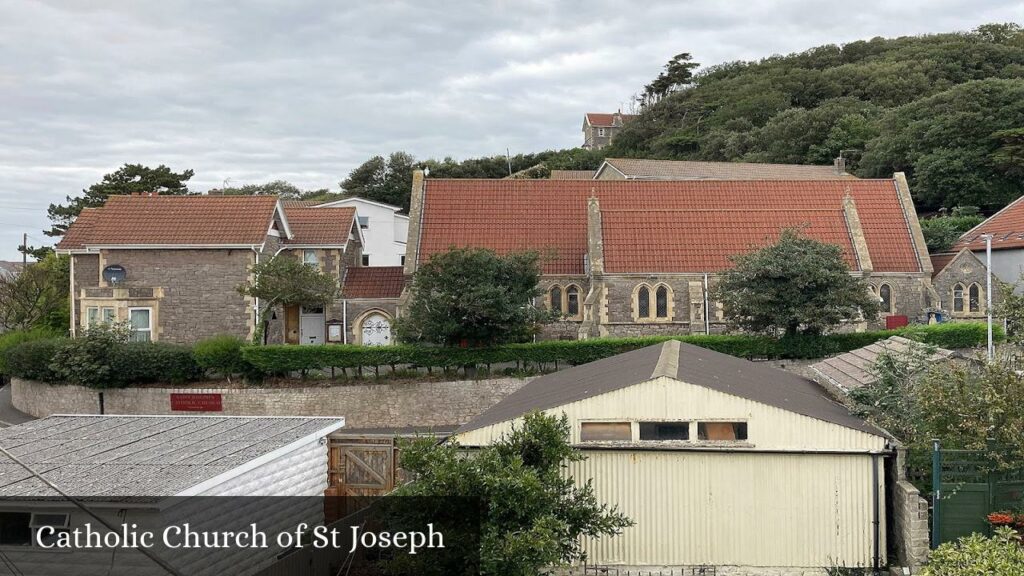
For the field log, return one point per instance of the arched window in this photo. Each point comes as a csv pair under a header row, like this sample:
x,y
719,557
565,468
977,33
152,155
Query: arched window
x,y
555,298
958,298
974,298
661,302
885,297
643,302
572,300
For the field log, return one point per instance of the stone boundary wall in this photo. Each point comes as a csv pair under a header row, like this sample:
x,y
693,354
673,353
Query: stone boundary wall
x,y
911,536
422,404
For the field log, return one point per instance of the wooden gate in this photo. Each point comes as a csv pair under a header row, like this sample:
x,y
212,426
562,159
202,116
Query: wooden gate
x,y
362,465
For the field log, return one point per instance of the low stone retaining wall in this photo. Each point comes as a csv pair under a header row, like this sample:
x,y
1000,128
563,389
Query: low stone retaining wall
x,y
363,406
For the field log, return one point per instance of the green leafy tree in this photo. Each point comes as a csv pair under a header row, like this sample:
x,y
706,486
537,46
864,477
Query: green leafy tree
x,y
283,189
387,180
678,73
941,232
128,179
797,285
37,297
534,516
474,296
284,280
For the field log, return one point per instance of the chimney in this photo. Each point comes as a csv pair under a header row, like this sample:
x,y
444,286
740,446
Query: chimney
x,y
840,164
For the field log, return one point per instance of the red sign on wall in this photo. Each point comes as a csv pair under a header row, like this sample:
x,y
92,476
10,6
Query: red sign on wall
x,y
197,402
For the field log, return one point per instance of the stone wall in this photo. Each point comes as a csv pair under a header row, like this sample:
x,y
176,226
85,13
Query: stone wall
x,y
910,297
964,269
908,511
357,310
363,406
86,275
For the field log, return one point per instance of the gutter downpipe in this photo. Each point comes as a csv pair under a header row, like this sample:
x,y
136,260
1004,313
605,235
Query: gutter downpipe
x,y
988,294
256,301
72,303
344,321
875,521
707,307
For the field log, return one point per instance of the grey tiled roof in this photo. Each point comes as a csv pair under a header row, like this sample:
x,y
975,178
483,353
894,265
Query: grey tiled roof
x,y
642,169
149,456
855,369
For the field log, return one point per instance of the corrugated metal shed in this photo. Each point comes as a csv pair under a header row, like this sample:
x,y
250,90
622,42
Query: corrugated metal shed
x,y
132,456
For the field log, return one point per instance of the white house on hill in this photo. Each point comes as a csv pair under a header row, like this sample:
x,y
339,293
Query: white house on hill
x,y
384,230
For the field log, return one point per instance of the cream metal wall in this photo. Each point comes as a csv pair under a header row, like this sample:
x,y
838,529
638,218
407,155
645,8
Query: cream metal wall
x,y
736,509
768,427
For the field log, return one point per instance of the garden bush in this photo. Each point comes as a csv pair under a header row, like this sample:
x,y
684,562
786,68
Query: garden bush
x,y
31,360
976,555
9,340
221,355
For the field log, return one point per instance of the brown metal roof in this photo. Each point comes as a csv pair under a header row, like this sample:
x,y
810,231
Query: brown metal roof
x,y
686,363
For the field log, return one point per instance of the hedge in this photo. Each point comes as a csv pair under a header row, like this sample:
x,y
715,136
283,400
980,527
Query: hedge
x,y
145,362
281,359
9,340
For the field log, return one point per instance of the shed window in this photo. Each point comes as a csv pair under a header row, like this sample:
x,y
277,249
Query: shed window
x,y
606,432
572,301
643,302
885,297
974,294
661,302
555,298
664,430
721,431
958,298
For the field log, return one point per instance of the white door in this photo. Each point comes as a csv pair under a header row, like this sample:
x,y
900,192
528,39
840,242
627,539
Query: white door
x,y
311,325
376,330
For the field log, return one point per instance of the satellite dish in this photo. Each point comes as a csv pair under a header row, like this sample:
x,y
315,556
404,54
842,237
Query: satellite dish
x,y
114,274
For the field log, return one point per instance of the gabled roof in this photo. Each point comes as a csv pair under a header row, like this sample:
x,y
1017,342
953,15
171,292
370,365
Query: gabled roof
x,y
1006,227
355,200
550,216
150,220
572,175
606,120
640,169
319,226
119,457
684,362
373,282
856,369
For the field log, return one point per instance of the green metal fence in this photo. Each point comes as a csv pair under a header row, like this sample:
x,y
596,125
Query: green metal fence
x,y
967,486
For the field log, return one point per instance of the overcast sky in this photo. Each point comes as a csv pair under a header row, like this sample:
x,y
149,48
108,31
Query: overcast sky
x,y
306,90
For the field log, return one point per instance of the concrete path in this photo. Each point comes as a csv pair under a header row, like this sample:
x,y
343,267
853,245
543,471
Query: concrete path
x,y
9,415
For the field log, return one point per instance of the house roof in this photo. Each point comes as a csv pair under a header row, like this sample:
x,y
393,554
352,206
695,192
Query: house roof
x,y
355,200
373,282
640,169
855,369
145,220
1006,227
572,174
602,119
319,226
940,261
550,216
9,268
120,457
684,362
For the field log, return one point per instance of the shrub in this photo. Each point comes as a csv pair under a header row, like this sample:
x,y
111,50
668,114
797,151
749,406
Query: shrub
x,y
89,359
221,354
954,334
148,362
31,360
9,340
976,555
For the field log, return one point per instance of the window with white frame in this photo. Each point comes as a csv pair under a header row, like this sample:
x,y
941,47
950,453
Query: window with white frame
x,y
95,315
958,298
141,322
310,257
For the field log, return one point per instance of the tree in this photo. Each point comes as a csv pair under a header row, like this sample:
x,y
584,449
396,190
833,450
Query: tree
x,y
281,188
284,280
387,180
797,285
128,179
678,73
37,297
941,232
474,296
534,516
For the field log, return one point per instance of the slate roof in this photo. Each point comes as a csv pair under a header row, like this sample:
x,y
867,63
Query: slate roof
x,y
572,175
601,119
693,365
120,457
642,169
551,216
855,369
145,220
1006,226
373,282
319,226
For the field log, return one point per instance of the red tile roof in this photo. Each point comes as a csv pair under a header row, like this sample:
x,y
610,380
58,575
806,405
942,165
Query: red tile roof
x,y
606,120
940,261
178,220
373,282
551,216
703,240
1006,227
572,175
319,226
79,230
